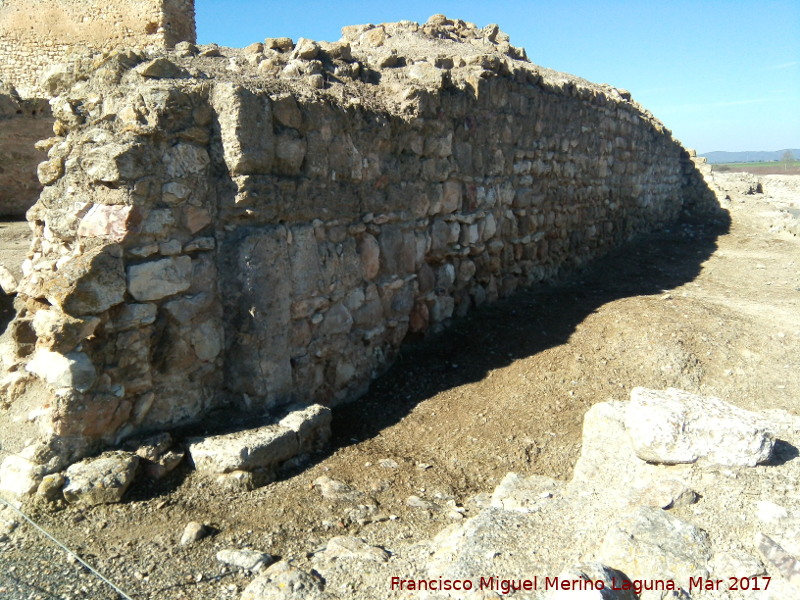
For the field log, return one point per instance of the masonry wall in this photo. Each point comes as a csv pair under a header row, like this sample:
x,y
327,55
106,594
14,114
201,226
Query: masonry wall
x,y
35,34
205,243
23,123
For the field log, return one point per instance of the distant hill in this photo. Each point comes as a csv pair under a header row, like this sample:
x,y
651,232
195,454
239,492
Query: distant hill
x,y
720,157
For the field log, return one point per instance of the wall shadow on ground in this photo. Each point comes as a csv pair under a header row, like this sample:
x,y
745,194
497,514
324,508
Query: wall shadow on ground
x,y
529,322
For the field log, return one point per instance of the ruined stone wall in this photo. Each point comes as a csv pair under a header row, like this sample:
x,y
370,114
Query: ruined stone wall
x,y
273,236
23,123
35,34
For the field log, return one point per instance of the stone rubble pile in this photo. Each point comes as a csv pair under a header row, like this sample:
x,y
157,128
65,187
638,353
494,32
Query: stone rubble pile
x,y
722,528
242,460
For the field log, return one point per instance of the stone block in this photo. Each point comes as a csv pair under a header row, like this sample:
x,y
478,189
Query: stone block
x,y
102,480
263,448
160,278
673,427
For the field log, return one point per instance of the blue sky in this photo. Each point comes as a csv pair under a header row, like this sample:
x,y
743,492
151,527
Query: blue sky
x,y
723,75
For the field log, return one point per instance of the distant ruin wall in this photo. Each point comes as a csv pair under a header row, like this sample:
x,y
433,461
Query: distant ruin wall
x,y
207,242
35,34
22,124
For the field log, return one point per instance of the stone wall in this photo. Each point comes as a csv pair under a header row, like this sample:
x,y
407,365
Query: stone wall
x,y
35,34
23,123
272,229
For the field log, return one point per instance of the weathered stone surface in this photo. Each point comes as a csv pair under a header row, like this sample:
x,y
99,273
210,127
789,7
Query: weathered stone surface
x,y
282,581
160,278
108,222
102,480
19,476
87,284
674,426
249,560
73,370
245,120
651,544
263,448
312,425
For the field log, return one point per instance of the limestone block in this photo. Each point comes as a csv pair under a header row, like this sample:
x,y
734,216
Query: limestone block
x,y
186,161
87,284
651,544
20,477
102,480
289,155
245,121
112,163
369,251
50,171
337,321
673,427
160,278
286,111
305,49
60,332
132,316
206,340
312,425
263,448
73,370
160,68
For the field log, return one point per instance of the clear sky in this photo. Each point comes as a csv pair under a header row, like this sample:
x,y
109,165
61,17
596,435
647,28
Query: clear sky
x,y
722,74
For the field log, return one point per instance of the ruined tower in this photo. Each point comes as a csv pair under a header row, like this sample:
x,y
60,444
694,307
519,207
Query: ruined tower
x,y
35,34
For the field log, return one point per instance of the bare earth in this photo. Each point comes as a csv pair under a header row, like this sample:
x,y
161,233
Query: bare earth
x,y
712,308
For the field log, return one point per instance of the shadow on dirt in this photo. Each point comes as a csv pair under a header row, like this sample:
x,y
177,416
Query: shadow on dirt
x,y
541,318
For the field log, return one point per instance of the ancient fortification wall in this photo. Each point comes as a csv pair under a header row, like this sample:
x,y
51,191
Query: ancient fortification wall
x,y
35,34
273,230
23,123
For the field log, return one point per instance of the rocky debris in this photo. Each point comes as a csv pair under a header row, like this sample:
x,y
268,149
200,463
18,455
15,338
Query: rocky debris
x,y
651,544
786,564
350,547
102,480
158,455
8,283
336,490
249,560
282,581
610,521
265,448
193,532
674,426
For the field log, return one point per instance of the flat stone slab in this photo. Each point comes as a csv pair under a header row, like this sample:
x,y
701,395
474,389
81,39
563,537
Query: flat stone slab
x,y
673,427
262,448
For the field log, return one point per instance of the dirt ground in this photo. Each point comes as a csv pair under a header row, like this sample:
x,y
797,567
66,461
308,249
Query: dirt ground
x,y
710,307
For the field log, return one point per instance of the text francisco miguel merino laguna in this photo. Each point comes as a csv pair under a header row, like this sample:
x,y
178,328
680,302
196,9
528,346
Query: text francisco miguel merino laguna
x,y
506,586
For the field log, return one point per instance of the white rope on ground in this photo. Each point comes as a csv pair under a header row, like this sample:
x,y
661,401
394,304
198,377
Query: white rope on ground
x,y
65,549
